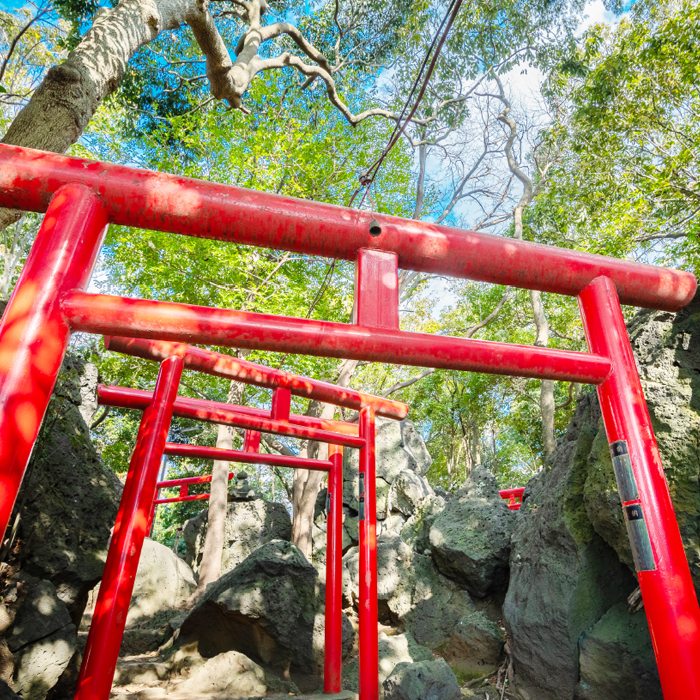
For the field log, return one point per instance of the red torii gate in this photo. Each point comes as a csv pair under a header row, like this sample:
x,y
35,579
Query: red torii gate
x,y
80,197
139,498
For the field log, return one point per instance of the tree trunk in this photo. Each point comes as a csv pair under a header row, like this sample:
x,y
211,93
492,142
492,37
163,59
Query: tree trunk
x,y
476,445
307,484
210,568
547,385
68,97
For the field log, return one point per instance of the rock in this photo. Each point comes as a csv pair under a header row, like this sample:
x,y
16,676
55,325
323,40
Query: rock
x,y
667,350
416,531
43,640
39,666
68,499
392,651
424,680
470,538
617,659
412,593
270,608
140,641
394,523
407,491
163,582
141,672
249,525
563,576
88,392
398,448
476,645
230,673
40,615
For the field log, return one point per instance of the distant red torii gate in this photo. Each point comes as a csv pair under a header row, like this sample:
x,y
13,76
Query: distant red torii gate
x,y
81,197
138,501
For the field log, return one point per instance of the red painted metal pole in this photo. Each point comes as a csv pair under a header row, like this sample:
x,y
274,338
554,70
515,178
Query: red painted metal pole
x,y
368,613
664,577
251,442
267,425
203,452
376,289
281,404
210,411
161,202
333,653
220,365
117,585
107,315
33,332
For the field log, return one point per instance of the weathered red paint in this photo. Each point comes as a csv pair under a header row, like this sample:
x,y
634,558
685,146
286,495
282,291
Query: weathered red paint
x,y
251,442
162,202
210,411
33,331
376,289
669,596
108,315
281,404
333,658
368,609
49,300
173,449
228,367
513,496
109,618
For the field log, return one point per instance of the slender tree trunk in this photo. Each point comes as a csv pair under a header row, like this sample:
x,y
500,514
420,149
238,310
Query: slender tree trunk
x,y
541,323
476,446
210,568
307,484
547,385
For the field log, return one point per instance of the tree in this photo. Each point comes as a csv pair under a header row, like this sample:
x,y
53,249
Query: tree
x,y
626,103
162,105
62,106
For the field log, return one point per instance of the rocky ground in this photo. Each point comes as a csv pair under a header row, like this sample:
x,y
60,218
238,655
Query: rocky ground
x,y
475,601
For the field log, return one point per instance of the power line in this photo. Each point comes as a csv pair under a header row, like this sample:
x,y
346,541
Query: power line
x,y
443,30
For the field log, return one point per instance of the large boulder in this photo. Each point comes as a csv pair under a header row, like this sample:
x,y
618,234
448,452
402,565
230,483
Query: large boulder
x,y
617,659
69,499
43,639
476,645
163,583
424,680
399,448
412,593
667,350
230,674
392,650
407,491
470,538
270,608
563,576
416,530
249,525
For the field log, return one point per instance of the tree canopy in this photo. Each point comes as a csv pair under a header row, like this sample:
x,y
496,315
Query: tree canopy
x,y
597,153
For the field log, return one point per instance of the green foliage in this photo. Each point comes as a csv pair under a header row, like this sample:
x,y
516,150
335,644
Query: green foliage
x,y
624,143
628,116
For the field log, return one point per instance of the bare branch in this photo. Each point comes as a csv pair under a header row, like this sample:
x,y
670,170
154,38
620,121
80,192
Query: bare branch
x,y
408,382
